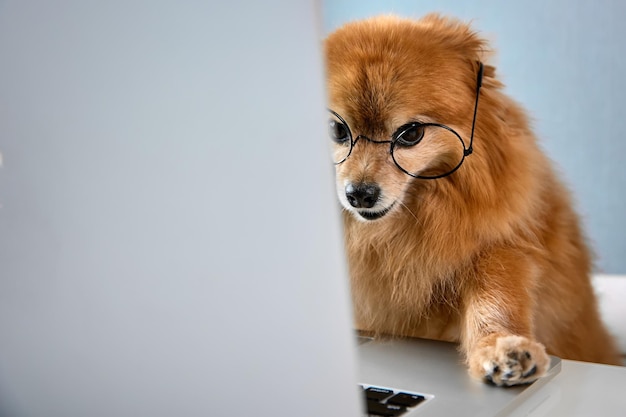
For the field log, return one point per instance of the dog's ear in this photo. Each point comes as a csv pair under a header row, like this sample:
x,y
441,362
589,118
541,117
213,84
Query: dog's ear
x,y
489,77
489,71
456,35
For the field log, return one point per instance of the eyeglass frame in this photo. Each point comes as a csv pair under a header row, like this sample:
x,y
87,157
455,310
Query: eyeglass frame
x,y
466,151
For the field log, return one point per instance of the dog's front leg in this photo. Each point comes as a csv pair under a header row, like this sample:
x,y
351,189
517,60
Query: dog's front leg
x,y
497,336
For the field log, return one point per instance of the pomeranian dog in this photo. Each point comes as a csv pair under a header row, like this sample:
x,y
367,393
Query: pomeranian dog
x,y
456,226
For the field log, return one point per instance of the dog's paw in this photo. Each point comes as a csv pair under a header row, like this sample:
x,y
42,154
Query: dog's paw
x,y
509,360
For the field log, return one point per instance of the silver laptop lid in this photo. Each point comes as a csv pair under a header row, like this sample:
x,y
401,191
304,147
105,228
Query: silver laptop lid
x,y
168,235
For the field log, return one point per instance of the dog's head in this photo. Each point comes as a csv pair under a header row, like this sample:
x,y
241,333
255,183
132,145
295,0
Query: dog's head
x,y
401,97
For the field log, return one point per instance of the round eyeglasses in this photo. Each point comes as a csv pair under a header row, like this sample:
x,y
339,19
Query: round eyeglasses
x,y
421,150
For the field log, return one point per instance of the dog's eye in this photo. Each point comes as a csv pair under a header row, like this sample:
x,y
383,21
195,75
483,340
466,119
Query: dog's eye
x,y
409,135
338,131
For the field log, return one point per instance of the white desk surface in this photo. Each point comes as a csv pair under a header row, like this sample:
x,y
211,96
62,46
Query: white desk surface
x,y
580,389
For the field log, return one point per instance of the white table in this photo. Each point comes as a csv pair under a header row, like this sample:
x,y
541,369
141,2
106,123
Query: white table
x,y
580,389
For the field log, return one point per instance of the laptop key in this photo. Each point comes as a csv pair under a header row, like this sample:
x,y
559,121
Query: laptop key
x,y
378,394
374,408
406,399
389,402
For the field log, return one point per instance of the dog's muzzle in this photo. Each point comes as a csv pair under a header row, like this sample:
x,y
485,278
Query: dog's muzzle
x,y
363,197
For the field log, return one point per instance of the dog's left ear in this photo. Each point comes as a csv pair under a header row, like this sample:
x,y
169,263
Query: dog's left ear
x,y
489,77
484,75
489,71
459,36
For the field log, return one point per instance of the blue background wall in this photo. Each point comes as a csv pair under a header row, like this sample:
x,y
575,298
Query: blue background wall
x,y
565,61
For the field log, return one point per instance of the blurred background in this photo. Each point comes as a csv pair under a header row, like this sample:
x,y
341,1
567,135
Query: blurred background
x,y
563,61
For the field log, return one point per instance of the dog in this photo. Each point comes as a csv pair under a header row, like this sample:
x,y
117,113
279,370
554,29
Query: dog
x,y
456,226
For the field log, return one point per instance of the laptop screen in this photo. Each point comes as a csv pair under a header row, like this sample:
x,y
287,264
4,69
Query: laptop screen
x,y
169,238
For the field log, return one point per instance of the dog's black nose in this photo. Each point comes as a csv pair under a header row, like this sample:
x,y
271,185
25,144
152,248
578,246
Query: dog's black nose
x,y
362,195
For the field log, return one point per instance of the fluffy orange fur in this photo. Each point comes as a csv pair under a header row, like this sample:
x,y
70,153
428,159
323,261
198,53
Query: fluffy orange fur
x,y
492,256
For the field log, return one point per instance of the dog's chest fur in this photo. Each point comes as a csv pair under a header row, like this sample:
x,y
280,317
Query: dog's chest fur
x,y
396,290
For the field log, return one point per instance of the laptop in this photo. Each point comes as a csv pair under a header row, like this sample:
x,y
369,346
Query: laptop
x,y
433,373
169,237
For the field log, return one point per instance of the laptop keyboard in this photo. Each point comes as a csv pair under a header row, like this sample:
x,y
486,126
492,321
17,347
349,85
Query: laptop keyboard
x,y
389,402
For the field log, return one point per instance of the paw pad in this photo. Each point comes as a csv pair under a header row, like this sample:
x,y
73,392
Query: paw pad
x,y
511,360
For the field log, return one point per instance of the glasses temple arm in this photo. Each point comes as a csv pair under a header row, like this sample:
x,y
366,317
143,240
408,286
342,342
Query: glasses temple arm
x,y
479,83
